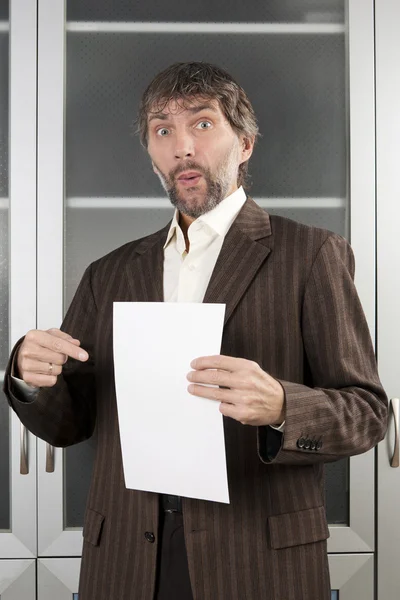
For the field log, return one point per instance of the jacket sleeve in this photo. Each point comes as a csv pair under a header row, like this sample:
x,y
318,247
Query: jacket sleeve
x,y
344,412
64,414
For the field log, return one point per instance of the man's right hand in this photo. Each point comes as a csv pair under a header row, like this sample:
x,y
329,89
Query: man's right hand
x,y
42,355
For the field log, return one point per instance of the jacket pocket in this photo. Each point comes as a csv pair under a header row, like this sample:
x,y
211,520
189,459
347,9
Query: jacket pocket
x,y
296,528
93,527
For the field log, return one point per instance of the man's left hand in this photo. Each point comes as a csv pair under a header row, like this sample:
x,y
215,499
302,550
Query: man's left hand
x,y
253,397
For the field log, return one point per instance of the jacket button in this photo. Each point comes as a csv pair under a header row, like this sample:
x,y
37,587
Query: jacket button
x,y
300,442
307,444
313,444
319,445
150,537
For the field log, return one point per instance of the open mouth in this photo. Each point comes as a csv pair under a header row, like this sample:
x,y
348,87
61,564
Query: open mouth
x,y
189,178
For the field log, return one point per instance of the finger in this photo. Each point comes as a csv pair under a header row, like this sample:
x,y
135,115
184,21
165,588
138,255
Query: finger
x,y
213,377
39,367
39,354
214,393
60,346
239,380
39,380
226,363
234,412
63,335
43,355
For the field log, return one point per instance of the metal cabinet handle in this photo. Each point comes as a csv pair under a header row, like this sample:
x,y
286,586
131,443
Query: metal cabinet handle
x,y
23,450
395,408
49,458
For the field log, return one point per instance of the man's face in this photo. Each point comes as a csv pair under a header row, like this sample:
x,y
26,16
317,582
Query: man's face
x,y
196,154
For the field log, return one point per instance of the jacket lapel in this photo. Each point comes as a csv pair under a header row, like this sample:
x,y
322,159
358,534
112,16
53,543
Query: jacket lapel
x,y
240,258
144,271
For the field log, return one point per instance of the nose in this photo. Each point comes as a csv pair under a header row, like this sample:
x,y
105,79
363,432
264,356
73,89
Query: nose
x,y
184,147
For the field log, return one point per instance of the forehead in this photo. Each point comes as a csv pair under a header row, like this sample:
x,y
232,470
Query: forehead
x,y
182,106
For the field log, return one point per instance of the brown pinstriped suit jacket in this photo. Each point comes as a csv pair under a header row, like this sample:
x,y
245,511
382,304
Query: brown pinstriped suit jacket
x,y
291,307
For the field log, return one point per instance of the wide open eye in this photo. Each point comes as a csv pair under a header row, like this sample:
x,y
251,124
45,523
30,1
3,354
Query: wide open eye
x,y
163,132
203,125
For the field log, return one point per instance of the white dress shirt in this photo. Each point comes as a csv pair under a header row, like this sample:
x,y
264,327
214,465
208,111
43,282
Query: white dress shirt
x,y
187,274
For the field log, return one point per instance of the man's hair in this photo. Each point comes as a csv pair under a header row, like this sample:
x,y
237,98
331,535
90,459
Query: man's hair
x,y
182,82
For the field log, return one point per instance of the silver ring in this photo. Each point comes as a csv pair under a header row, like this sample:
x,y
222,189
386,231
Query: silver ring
x,y
51,368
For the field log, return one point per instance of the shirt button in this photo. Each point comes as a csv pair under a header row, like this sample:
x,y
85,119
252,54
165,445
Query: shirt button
x,y
150,537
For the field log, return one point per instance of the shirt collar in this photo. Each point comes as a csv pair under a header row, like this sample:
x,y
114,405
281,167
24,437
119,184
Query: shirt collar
x,y
219,218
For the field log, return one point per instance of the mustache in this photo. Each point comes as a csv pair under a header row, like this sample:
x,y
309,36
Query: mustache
x,y
188,166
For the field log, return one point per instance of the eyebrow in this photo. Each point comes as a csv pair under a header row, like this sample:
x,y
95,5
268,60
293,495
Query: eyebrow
x,y
193,110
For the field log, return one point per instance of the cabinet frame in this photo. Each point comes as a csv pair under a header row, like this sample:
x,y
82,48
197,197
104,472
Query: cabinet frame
x,y
388,262
21,540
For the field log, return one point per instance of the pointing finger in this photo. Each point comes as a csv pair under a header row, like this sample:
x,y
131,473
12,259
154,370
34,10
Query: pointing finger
x,y
63,345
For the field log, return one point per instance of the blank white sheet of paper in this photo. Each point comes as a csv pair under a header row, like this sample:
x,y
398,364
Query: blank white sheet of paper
x,y
172,442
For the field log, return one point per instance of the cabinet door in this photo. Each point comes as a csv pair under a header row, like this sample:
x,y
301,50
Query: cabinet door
x,y
308,68
17,264
388,135
17,580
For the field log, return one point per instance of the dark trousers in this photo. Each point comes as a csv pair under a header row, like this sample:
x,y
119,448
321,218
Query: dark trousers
x,y
173,581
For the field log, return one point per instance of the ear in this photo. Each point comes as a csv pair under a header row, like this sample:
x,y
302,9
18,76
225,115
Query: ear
x,y
246,148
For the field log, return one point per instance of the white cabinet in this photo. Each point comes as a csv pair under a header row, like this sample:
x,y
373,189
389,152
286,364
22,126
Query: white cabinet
x,y
79,184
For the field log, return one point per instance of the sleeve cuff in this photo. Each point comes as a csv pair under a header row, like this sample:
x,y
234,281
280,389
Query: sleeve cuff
x,y
280,427
23,391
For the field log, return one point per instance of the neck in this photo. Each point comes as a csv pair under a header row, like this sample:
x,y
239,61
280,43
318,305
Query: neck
x,y
184,223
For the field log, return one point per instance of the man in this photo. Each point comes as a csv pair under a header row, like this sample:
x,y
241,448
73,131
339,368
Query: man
x,y
297,373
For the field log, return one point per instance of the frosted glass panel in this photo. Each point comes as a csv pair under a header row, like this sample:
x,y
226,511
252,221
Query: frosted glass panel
x,y
337,492
4,270
4,241
295,82
4,266
207,10
4,9
4,464
334,595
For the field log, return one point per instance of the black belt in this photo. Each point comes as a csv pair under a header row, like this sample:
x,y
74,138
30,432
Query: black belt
x,y
171,504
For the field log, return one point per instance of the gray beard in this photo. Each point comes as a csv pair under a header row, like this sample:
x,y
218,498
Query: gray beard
x,y
216,192
217,188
